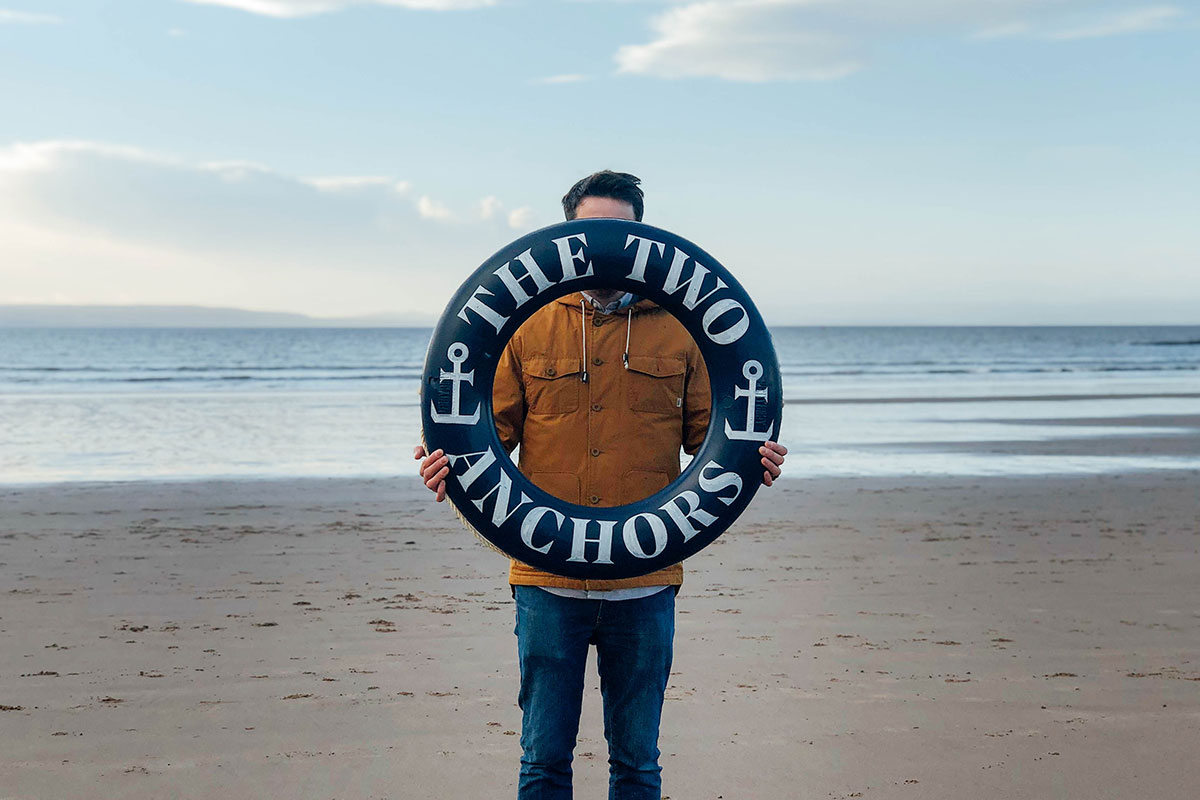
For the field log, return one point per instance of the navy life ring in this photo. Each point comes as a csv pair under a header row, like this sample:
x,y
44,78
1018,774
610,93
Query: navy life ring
x,y
531,525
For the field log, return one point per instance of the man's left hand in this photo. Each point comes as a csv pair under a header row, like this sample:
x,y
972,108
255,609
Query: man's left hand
x,y
772,459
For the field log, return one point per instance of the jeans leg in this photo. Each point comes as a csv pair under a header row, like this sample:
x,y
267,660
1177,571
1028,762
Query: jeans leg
x,y
552,643
633,648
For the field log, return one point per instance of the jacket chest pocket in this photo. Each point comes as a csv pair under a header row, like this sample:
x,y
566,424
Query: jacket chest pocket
x,y
655,384
552,385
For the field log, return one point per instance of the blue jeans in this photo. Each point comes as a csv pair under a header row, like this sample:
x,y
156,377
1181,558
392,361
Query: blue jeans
x,y
633,647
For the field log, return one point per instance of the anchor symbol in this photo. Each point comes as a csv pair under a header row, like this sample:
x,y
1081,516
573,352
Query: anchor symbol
x,y
457,353
752,370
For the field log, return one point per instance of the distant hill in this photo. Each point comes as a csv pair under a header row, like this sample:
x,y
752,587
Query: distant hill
x,y
62,316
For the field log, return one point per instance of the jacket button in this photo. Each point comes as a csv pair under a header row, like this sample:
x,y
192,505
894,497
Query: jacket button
x,y
595,452
597,322
550,371
595,499
595,406
597,361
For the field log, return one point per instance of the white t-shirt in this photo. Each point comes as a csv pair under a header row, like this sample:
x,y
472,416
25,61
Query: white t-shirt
x,y
635,593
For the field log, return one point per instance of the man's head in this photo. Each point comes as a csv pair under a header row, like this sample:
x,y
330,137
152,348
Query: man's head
x,y
605,194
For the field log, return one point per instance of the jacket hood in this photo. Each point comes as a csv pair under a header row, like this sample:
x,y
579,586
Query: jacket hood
x,y
573,300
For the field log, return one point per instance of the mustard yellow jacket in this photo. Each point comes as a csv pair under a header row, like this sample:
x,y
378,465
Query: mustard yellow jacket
x,y
614,438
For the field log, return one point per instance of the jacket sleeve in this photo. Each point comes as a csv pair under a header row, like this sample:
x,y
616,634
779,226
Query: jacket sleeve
x,y
697,403
508,398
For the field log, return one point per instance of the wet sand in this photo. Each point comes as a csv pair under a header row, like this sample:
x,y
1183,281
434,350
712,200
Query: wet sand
x,y
875,638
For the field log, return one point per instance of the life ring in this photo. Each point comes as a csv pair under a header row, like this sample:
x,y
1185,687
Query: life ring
x,y
527,523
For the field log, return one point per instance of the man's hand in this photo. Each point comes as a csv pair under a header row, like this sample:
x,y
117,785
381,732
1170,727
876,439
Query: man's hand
x,y
772,459
436,466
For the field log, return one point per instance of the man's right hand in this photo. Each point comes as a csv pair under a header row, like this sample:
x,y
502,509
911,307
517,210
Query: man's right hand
x,y
433,470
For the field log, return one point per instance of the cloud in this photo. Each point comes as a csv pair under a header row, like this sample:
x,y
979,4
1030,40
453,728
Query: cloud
x,y
815,40
8,16
490,206
23,157
290,9
1005,30
352,183
1112,23
572,77
521,219
107,223
751,40
429,208
1131,21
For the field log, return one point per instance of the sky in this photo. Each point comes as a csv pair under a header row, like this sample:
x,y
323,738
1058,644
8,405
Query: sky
x,y
850,161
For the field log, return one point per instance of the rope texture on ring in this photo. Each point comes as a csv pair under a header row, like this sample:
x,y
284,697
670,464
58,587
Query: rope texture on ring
x,y
458,513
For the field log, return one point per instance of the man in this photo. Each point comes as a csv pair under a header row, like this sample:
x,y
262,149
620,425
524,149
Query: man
x,y
601,390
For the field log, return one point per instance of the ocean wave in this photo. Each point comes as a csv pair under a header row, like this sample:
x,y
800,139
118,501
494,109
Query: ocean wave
x,y
815,372
223,378
216,368
1169,343
292,375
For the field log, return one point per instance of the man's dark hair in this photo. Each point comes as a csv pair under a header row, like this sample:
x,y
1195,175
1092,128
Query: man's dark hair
x,y
605,183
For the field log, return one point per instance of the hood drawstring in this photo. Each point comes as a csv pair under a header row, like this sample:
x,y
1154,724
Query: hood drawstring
x,y
583,374
628,332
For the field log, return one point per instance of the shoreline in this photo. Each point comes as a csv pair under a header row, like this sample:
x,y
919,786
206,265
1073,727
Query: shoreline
x,y
1132,444
1094,446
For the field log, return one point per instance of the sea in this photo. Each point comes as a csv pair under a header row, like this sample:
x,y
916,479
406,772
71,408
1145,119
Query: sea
x,y
112,404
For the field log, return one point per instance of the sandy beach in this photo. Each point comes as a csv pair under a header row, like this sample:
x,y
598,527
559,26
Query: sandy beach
x,y
876,638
